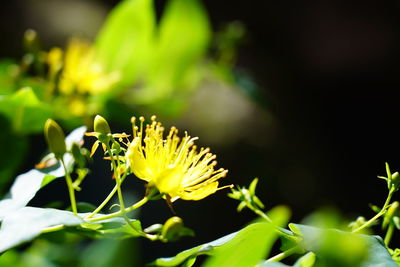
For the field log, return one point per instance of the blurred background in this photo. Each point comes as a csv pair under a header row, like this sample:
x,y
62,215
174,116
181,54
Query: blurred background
x,y
311,108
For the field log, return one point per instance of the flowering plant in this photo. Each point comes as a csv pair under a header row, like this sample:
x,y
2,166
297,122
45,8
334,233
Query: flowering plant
x,y
173,168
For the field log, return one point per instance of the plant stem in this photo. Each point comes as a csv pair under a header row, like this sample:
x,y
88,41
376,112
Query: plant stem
x,y
278,230
379,214
121,212
117,178
261,214
71,189
107,199
389,234
284,254
53,229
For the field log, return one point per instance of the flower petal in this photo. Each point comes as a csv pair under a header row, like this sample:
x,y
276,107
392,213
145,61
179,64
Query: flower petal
x,y
200,193
169,181
94,147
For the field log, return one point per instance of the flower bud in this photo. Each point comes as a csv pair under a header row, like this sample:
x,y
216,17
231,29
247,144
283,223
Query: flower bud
x,y
102,128
55,138
391,212
101,125
172,229
31,41
395,181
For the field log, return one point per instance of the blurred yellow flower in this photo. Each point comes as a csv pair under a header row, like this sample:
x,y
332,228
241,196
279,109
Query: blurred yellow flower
x,y
81,71
173,165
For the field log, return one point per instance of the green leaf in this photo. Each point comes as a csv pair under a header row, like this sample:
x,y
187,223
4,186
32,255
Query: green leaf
x,y
307,260
233,243
26,112
125,41
339,248
8,73
27,184
123,231
26,223
273,264
114,228
13,151
250,247
182,39
109,252
196,251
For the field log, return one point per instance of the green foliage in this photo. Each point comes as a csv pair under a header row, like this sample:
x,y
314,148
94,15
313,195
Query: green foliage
x,y
247,248
28,184
12,153
181,42
350,249
319,243
139,63
24,224
323,245
160,59
125,42
308,260
8,72
116,253
236,248
26,112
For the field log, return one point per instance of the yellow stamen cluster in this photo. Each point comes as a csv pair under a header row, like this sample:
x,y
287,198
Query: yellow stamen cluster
x,y
173,165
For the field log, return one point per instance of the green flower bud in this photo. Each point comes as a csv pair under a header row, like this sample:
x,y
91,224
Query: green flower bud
x,y
393,209
55,138
391,212
172,229
31,41
395,180
101,125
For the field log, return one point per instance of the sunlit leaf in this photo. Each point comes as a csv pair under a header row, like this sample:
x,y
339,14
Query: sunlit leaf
x,y
273,264
25,111
250,247
349,249
203,249
114,228
27,184
308,260
26,223
182,40
232,243
125,41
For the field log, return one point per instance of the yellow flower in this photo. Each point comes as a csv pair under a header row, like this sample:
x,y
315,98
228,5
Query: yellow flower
x,y
82,72
173,165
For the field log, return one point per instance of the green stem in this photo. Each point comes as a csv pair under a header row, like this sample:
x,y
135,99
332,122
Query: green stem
x,y
106,200
261,214
53,228
389,234
121,212
117,178
71,190
278,230
284,254
379,214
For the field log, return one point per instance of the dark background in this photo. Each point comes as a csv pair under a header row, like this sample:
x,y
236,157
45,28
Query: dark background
x,y
328,72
